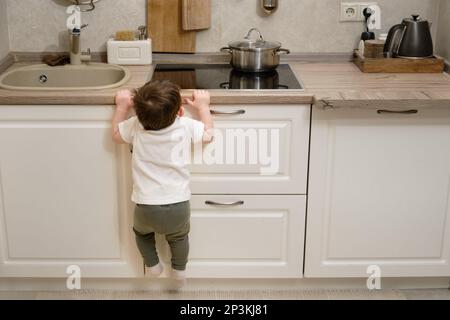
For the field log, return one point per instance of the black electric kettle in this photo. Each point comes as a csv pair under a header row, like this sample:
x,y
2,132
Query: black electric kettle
x,y
411,39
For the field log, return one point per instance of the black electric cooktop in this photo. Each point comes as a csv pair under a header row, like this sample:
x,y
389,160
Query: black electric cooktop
x,y
223,76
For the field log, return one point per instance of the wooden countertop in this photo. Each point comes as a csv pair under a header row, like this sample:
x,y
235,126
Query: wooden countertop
x,y
344,85
328,84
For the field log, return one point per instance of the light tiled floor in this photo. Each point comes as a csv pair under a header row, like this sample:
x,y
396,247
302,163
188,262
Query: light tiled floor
x,y
435,294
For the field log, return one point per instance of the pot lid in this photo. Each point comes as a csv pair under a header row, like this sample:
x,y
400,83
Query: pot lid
x,y
254,44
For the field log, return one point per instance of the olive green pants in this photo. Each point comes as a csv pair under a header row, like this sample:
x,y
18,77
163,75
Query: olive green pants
x,y
173,221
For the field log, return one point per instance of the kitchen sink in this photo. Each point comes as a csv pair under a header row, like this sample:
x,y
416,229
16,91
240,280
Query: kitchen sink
x,y
91,76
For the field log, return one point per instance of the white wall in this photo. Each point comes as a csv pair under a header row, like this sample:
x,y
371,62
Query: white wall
x,y
4,33
301,25
443,37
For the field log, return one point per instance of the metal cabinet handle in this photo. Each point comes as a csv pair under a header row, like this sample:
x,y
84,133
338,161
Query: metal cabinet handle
x,y
225,204
412,111
236,112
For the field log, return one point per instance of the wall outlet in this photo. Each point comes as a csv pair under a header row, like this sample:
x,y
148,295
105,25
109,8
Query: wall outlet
x,y
362,6
353,11
350,11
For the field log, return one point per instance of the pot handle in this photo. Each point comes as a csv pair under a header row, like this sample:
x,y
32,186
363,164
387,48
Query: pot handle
x,y
225,85
228,49
285,51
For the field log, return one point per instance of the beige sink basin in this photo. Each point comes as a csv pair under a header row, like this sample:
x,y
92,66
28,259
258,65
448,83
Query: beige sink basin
x,y
92,76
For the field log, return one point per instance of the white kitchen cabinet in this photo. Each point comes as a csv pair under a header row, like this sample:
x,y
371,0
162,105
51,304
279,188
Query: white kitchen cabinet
x,y
258,149
246,236
379,190
64,194
261,234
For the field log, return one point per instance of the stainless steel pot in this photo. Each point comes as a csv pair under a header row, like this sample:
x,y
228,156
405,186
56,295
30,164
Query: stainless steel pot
x,y
253,81
254,55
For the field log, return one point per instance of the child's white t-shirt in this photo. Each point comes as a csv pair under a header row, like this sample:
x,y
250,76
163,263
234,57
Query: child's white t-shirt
x,y
160,162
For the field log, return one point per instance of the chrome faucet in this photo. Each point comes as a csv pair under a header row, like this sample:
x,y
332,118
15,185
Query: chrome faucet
x,y
76,56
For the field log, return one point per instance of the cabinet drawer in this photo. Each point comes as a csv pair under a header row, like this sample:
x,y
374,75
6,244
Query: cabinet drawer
x,y
247,236
258,149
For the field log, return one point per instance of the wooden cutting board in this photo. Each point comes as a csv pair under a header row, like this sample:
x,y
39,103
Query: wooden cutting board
x,y
165,27
196,14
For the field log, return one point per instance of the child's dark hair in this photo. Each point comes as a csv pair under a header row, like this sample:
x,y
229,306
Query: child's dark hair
x,y
157,104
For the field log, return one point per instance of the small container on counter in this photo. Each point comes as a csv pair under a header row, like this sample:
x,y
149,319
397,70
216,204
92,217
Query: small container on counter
x,y
373,48
131,52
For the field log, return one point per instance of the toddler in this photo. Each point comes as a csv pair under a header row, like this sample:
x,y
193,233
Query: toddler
x,y
160,174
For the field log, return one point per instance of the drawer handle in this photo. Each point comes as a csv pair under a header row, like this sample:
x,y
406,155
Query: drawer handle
x,y
225,204
230,113
413,111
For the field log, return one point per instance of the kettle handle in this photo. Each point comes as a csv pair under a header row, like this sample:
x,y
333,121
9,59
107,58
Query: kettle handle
x,y
393,40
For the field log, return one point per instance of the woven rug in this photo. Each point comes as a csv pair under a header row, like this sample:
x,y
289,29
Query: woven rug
x,y
223,295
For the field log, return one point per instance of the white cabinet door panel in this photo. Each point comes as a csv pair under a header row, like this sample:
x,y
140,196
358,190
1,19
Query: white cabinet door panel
x,y
64,194
379,194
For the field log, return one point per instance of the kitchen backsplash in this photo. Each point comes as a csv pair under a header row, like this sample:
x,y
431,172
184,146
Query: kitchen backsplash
x,y
4,34
302,26
443,38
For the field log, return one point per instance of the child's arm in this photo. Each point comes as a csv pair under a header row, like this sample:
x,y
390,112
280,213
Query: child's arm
x,y
124,103
201,101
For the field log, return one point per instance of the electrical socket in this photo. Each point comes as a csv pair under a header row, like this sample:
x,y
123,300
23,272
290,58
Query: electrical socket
x,y
353,11
350,11
362,6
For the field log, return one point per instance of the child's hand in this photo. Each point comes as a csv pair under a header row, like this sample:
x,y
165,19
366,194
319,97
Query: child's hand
x,y
124,100
201,99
